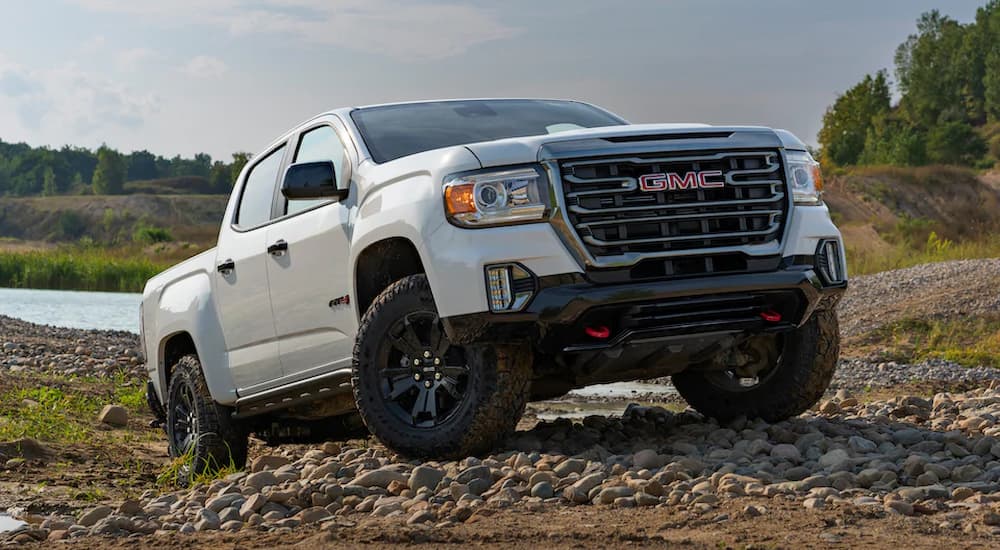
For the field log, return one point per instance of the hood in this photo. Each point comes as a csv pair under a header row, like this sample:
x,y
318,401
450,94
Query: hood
x,y
633,138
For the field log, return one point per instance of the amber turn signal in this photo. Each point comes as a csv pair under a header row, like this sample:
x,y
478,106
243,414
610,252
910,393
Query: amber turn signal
x,y
460,199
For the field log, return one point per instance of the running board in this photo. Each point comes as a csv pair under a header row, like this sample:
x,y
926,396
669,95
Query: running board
x,y
318,387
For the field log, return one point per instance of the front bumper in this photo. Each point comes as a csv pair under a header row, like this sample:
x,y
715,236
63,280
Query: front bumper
x,y
564,306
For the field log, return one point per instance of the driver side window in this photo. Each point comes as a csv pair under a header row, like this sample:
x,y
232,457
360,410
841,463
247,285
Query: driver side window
x,y
320,143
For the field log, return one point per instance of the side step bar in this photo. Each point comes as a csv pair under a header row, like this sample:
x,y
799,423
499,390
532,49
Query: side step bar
x,y
318,387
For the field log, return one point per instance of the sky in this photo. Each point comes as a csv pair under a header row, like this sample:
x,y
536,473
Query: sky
x,y
218,76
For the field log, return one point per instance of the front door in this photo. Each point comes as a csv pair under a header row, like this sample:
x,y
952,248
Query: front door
x,y
310,277
241,285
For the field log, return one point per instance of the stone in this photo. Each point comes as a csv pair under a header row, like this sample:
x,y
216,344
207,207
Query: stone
x,y
569,466
420,517
381,477
312,515
216,504
130,507
542,490
113,415
786,451
475,472
425,477
814,503
92,516
231,526
900,507
966,472
829,407
647,459
608,495
207,520
833,458
645,499
861,445
268,462
259,480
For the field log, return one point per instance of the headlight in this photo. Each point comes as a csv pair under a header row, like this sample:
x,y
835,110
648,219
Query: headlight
x,y
481,199
807,182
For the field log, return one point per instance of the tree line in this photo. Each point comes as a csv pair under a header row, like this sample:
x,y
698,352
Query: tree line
x,y
33,171
947,76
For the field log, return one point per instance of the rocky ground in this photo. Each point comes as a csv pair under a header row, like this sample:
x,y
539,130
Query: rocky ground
x,y
897,454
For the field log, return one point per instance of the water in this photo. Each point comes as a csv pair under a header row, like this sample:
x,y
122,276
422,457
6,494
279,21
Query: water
x,y
8,523
74,309
623,390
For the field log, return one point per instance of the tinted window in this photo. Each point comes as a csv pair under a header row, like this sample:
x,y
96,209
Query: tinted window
x,y
317,144
394,131
258,192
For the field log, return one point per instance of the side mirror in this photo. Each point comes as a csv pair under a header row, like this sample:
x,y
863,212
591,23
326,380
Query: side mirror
x,y
312,180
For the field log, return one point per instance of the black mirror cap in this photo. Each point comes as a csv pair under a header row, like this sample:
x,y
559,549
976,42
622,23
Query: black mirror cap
x,y
311,180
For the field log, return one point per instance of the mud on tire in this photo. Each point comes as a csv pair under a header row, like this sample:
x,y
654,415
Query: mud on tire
x,y
806,366
198,426
494,384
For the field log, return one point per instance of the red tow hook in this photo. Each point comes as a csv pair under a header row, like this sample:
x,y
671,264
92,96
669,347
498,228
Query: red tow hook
x,y
601,332
770,316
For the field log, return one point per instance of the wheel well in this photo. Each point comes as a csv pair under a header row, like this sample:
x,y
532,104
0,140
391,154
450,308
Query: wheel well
x,y
174,348
382,264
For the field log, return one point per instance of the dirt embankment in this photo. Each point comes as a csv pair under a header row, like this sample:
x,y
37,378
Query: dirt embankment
x,y
105,219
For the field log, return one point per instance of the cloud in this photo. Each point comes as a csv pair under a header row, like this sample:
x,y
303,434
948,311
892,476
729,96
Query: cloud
x,y
66,97
204,66
395,28
128,60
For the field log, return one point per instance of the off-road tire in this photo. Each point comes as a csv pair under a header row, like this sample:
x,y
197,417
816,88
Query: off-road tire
x,y
499,381
808,361
219,441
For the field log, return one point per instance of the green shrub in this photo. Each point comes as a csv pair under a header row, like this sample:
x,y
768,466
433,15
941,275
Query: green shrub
x,y
148,234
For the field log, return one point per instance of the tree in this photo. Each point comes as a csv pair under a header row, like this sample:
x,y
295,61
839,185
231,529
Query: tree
x,y
109,176
219,178
142,166
49,187
929,69
891,140
954,143
240,160
847,121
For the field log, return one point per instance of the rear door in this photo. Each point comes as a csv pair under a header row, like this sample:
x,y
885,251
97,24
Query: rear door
x,y
310,278
241,286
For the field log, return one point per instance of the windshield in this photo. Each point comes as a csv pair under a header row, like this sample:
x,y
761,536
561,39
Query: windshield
x,y
394,131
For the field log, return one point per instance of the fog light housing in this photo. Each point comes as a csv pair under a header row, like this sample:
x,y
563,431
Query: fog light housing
x,y
830,262
509,287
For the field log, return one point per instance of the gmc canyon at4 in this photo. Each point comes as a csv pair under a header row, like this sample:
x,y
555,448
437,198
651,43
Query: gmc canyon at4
x,y
433,266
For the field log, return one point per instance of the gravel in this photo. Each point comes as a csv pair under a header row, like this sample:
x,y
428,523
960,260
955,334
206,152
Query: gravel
x,y
901,456
939,290
29,347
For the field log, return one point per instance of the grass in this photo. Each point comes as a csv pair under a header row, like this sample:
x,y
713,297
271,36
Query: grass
x,y
65,412
175,474
76,269
968,341
861,261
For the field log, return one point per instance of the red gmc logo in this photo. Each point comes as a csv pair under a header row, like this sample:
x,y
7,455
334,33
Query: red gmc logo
x,y
673,181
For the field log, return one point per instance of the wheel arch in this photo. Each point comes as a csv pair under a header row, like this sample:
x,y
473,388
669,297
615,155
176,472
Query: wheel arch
x,y
380,264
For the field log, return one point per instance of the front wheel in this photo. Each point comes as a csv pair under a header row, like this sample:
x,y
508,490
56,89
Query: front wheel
x,y
796,380
200,432
423,396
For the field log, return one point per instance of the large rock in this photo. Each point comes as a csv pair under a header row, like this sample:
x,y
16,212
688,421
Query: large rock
x,y
92,516
268,462
259,480
425,476
379,478
113,415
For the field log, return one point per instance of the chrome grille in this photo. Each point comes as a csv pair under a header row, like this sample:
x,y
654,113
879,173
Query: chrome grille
x,y
613,216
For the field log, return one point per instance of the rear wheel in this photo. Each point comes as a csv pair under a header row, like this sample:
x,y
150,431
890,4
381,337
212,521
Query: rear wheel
x,y
423,396
795,380
199,429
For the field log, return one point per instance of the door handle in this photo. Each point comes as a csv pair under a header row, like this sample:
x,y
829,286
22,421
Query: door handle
x,y
278,248
226,267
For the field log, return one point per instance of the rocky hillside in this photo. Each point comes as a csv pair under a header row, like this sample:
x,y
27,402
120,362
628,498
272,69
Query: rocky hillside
x,y
110,219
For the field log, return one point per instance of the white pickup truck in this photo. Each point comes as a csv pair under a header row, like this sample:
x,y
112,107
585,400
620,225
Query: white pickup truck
x,y
433,266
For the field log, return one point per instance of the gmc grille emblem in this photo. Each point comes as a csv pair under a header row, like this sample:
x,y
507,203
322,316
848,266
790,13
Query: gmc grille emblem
x,y
673,181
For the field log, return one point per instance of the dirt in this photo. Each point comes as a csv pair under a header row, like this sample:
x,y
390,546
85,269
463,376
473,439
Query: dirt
x,y
783,525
